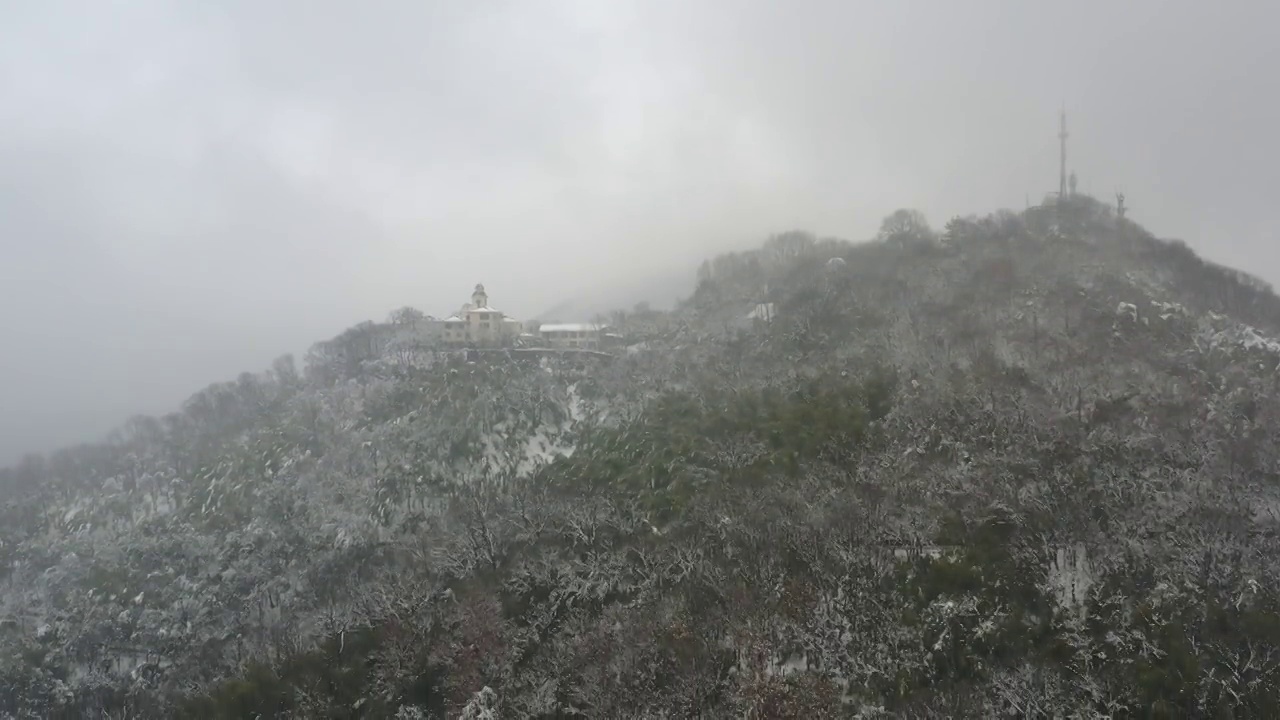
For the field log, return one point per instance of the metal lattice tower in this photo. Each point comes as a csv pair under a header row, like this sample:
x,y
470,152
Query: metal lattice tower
x,y
1062,169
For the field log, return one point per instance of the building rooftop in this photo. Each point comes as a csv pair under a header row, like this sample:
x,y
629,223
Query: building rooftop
x,y
569,327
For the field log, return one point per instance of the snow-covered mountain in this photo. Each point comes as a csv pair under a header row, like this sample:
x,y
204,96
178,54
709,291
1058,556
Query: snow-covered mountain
x,y
1024,466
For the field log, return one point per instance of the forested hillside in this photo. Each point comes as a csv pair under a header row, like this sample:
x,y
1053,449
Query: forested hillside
x,y
1024,466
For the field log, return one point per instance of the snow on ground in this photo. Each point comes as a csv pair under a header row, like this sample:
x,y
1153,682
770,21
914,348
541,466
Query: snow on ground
x,y
542,446
1236,335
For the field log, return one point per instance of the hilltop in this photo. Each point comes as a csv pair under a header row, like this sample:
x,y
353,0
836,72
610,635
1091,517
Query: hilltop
x,y
1023,465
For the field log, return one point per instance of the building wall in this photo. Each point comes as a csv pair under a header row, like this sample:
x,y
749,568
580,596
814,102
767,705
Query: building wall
x,y
484,326
478,327
589,339
454,332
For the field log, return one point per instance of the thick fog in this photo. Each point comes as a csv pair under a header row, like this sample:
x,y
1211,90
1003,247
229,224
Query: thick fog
x,y
188,190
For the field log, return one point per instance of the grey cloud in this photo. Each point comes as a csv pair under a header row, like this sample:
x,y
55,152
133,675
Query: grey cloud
x,y
189,189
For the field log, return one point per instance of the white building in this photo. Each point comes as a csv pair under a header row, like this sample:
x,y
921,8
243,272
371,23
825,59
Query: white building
x,y
478,324
572,335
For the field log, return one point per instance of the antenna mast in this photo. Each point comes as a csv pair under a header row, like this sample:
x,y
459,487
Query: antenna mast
x,y
1062,168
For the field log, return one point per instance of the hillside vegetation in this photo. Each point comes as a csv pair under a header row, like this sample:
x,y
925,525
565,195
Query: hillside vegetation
x,y
1022,467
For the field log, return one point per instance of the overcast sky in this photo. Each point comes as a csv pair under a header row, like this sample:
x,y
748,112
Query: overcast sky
x,y
188,190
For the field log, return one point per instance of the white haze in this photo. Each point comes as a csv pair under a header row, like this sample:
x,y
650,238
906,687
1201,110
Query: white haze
x,y
188,190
